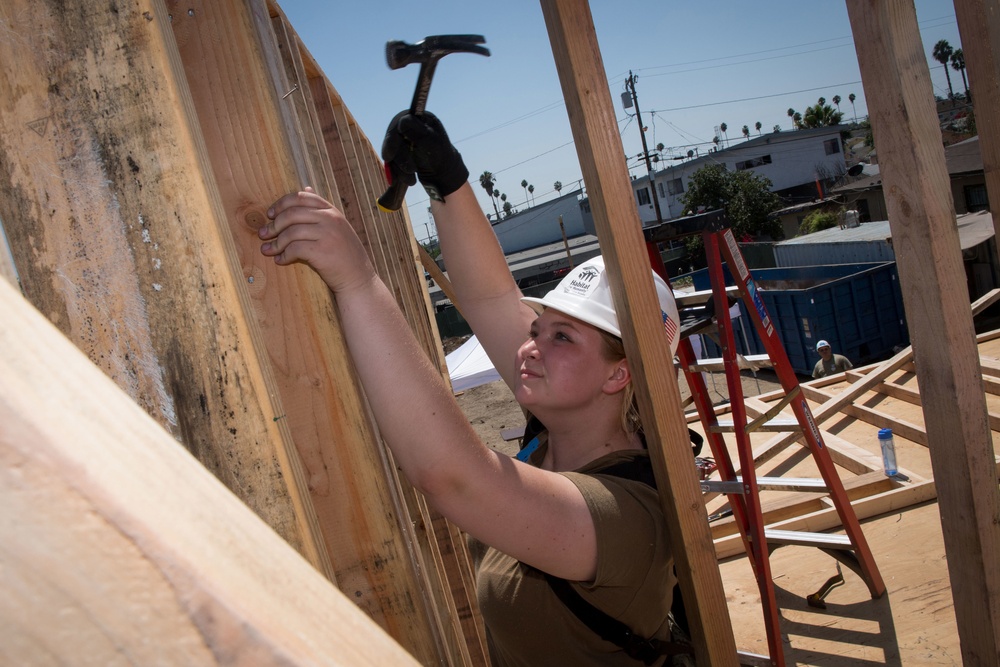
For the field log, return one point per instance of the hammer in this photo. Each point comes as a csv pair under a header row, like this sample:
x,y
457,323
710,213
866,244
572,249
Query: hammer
x,y
426,52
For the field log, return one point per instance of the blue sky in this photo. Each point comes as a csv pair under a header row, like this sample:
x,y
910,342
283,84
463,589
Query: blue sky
x,y
698,64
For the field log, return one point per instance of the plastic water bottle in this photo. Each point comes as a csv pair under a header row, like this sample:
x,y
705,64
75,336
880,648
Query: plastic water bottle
x,y
888,451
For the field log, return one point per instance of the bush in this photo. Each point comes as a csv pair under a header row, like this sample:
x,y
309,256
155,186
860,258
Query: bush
x,y
818,221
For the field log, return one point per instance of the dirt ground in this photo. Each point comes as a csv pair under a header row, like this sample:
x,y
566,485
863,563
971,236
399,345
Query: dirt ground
x,y
491,408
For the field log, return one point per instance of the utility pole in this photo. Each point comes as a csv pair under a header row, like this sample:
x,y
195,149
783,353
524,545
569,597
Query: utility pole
x,y
634,101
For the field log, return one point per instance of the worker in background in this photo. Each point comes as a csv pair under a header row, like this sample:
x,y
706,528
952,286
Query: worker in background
x,y
829,363
548,519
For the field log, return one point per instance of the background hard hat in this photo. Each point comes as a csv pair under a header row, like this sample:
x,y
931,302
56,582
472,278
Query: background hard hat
x,y
585,293
821,344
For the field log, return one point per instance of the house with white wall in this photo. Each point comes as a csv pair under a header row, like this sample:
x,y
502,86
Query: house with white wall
x,y
800,164
539,225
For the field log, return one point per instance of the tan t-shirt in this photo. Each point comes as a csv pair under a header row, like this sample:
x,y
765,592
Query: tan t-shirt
x,y
527,624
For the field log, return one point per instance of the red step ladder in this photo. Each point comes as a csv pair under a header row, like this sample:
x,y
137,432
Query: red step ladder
x,y
709,310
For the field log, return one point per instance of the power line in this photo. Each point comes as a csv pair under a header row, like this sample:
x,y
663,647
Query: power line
x,y
748,62
758,97
947,20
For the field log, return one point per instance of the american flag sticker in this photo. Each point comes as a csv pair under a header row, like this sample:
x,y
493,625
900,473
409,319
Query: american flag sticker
x,y
670,326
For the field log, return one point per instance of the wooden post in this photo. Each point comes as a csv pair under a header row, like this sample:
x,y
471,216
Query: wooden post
x,y
121,241
262,143
119,547
588,103
925,238
979,26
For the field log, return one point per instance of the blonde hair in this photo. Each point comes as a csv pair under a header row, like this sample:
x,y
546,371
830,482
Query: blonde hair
x,y
614,350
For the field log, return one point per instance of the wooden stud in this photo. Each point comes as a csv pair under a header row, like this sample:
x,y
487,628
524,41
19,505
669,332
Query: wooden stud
x,y
912,396
122,242
450,581
251,141
588,103
119,547
928,256
299,113
876,418
979,27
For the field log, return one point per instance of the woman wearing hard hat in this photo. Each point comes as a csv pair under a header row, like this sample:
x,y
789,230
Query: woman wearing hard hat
x,y
577,567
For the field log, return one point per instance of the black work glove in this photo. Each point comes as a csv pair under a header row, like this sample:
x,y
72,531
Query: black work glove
x,y
419,145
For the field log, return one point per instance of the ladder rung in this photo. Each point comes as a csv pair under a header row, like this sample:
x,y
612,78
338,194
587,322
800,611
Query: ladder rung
x,y
765,484
685,299
821,540
745,362
780,425
791,484
720,486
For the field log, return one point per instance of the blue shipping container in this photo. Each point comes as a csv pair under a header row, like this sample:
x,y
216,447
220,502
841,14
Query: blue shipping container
x,y
857,308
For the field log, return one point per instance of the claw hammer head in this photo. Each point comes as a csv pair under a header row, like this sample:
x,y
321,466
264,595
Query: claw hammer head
x,y
400,54
427,52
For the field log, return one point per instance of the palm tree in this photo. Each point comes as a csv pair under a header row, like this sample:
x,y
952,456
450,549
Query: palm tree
x,y
836,100
508,209
821,115
531,191
851,98
791,114
722,128
958,64
558,186
746,132
524,184
486,179
757,126
776,129
942,53
797,120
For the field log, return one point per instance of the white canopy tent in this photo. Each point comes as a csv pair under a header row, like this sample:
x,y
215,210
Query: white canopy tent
x,y
468,366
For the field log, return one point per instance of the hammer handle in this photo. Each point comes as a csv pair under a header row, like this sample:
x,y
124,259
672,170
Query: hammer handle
x,y
419,102
392,199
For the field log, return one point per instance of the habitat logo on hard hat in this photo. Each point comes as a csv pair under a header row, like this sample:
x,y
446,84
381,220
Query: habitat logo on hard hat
x,y
582,282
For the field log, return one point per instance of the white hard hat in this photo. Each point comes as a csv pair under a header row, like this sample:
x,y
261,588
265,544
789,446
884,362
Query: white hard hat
x,y
821,345
585,293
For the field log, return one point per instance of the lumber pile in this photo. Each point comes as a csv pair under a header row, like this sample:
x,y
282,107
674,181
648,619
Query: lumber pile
x,y
850,408
139,150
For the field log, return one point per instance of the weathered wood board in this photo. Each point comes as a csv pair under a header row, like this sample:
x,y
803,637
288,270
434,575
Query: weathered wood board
x,y
117,546
119,238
